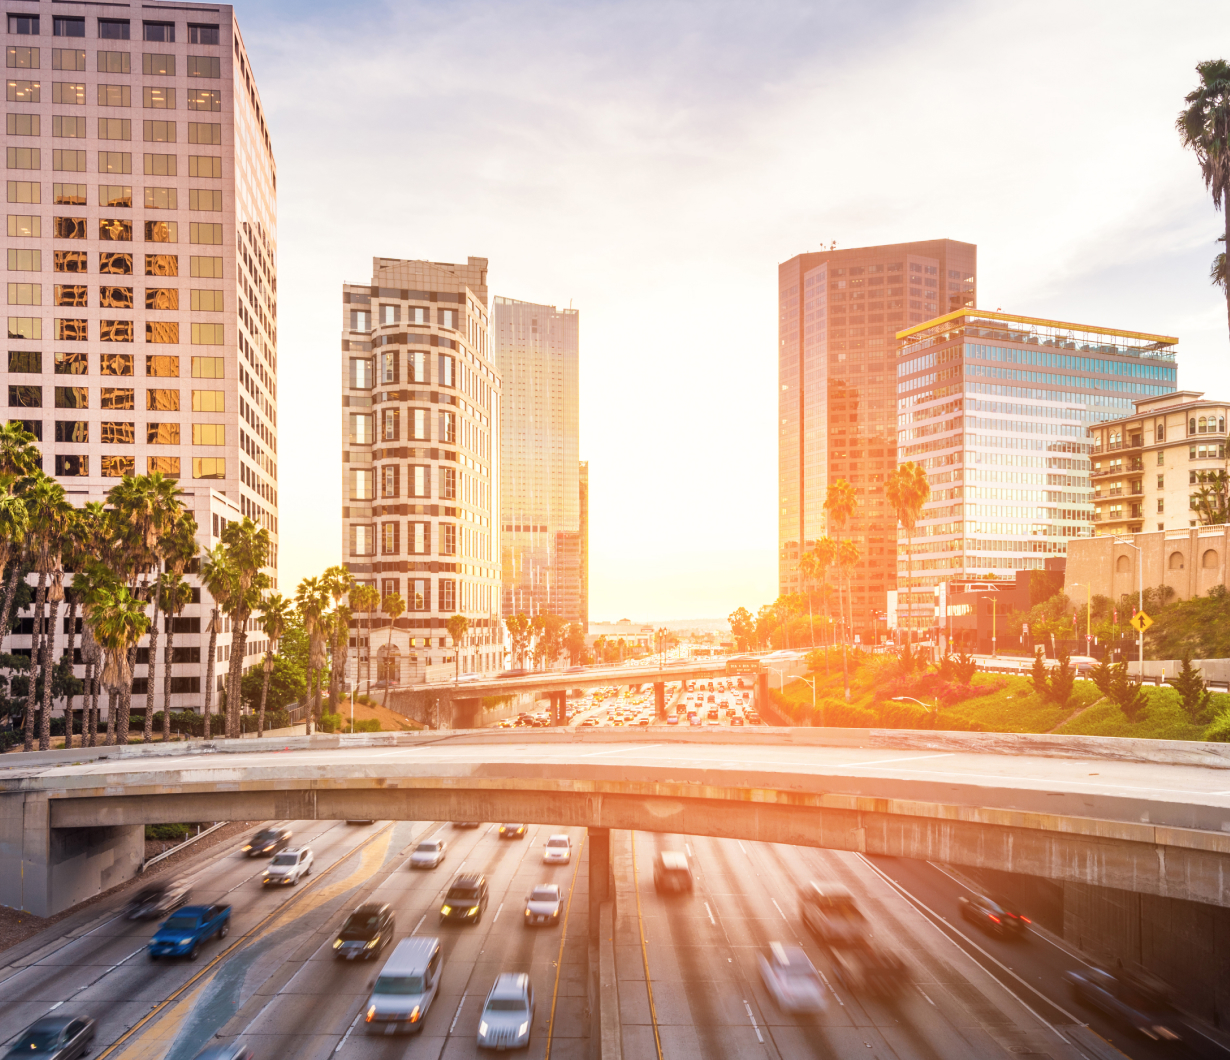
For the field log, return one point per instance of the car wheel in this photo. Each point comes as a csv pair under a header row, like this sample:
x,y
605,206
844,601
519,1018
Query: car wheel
x,y
194,952
153,956
224,930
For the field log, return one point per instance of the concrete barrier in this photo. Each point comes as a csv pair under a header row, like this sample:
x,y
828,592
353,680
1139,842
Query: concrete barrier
x,y
609,1036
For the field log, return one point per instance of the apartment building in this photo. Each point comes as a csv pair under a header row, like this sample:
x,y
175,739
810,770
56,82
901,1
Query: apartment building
x,y
1148,468
420,479
143,125
999,409
839,312
542,554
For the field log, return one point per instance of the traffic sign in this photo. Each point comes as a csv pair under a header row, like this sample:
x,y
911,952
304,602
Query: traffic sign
x,y
1140,622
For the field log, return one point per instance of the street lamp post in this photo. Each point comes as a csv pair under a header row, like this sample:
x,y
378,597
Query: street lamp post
x,y
935,710
1140,603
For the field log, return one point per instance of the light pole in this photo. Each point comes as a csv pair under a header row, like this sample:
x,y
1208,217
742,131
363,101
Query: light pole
x,y
935,710
814,708
1140,603
1088,617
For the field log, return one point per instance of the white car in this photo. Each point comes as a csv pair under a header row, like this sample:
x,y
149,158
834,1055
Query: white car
x,y
543,904
558,850
289,867
792,979
428,854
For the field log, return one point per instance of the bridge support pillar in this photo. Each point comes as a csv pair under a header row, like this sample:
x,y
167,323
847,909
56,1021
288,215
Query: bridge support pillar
x,y
762,691
559,707
601,875
659,699
467,713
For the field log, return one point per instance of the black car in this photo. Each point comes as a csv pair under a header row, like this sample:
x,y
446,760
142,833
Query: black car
x,y
366,932
465,824
512,831
466,900
54,1038
267,842
1137,1001
158,899
513,673
995,915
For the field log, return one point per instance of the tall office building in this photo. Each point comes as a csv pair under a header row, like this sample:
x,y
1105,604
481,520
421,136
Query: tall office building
x,y
998,409
420,451
536,348
583,479
99,159
839,311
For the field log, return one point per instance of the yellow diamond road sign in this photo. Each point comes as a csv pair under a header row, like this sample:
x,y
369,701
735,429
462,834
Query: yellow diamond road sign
x,y
1140,622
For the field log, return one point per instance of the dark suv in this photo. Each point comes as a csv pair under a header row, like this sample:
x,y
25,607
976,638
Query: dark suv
x,y
267,842
466,900
366,932
996,915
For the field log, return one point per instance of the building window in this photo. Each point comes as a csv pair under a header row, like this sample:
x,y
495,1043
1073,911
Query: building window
x,y
22,260
27,25
207,302
162,400
26,361
72,397
390,539
162,434
448,594
76,362
362,540
360,374
111,194
26,397
209,467
448,483
25,191
390,481
111,397
162,32
165,465
209,434
388,367
119,432
108,162
207,268
389,587
154,65
63,58
360,428
418,423
161,232
161,166
360,320
198,34
24,91
24,158
161,265
390,425
420,594
207,199
1161,505
447,318
24,58
113,29
208,334
362,484
204,133
116,331
447,366
28,294
114,230
205,65
157,97
204,99
160,132
205,166
448,428
71,466
418,538
209,401
76,431
29,125
448,539
419,484
416,366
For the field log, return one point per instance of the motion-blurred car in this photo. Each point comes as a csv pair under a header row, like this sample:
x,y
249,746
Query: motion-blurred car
x,y
466,899
671,873
830,913
558,850
868,969
406,986
1138,1001
791,979
465,824
267,842
289,867
512,831
994,915
366,932
182,933
229,1051
427,854
54,1038
158,899
508,1013
543,905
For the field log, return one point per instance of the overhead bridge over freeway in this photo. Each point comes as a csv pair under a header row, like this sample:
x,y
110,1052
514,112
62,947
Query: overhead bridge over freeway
x,y
1146,816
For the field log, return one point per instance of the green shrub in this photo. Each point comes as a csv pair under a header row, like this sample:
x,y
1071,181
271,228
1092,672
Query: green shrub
x,y
330,723
368,725
167,831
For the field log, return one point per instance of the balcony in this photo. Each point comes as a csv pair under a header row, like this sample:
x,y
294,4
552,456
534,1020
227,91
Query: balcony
x,y
1136,441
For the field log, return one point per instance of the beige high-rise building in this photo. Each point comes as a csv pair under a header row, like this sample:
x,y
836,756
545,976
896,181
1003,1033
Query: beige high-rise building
x,y
141,245
420,473
543,557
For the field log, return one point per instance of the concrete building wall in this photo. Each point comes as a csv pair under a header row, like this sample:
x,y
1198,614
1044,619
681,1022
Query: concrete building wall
x,y
1190,561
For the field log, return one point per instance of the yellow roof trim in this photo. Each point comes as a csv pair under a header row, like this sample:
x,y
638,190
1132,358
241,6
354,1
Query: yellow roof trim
x,y
927,325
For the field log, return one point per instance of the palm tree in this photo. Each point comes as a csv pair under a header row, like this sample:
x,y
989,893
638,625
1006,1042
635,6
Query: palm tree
x,y
119,621
458,626
839,502
174,594
1204,126
311,600
217,578
907,490
247,547
365,599
14,525
337,582
275,614
393,606
824,552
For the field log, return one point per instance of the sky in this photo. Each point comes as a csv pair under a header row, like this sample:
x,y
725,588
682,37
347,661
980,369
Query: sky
x,y
651,164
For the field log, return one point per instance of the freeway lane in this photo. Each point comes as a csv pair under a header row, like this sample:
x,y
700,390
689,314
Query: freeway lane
x,y
708,999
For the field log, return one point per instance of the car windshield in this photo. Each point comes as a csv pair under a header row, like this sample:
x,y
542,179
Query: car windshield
x,y
149,894
399,984
185,922
264,837
542,894
462,894
37,1040
286,859
360,925
557,842
506,1004
427,848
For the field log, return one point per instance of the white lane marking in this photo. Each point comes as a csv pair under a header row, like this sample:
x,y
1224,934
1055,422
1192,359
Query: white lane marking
x,y
904,758
419,924
55,1006
710,912
620,750
741,846
924,994
497,913
753,1019
778,908
456,1015
688,848
349,1030
836,996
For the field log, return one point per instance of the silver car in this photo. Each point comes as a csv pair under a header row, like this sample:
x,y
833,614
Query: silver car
x,y
288,867
508,1013
558,850
792,979
543,904
428,854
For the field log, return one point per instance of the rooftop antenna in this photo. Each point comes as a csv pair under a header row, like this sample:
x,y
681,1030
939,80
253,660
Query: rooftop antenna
x,y
833,246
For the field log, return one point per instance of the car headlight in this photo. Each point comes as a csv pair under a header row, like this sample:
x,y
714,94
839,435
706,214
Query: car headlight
x,y
482,1028
337,944
184,942
445,910
247,848
414,1014
372,943
523,1028
527,911
472,910
371,1014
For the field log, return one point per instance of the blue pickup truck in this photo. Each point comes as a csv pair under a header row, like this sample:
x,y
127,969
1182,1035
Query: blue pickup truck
x,y
182,934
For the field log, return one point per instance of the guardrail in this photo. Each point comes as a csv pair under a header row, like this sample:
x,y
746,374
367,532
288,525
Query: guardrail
x,y
1003,666
180,846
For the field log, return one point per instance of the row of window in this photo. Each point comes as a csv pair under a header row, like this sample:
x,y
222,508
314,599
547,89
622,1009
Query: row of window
x,y
23,57
114,29
72,94
417,482
123,399
362,376
417,539
111,230
78,295
361,319
119,263
417,422
124,432
74,330
112,465
418,594
77,363
199,166
154,130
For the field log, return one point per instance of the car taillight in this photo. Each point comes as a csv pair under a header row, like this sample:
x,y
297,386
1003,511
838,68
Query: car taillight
x,y
1026,919
993,917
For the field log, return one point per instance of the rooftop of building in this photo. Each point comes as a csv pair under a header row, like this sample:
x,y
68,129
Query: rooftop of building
x,y
1175,401
1036,331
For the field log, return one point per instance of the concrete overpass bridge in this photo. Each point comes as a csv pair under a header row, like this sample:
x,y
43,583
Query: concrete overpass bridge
x,y
458,704
1145,816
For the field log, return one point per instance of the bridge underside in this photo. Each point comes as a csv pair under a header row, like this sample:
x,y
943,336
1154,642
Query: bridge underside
x,y
1175,863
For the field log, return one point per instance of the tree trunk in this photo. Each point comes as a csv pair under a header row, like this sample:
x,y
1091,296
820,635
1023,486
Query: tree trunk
x,y
110,712
234,673
209,668
125,714
166,681
47,666
1225,209
10,592
151,674
89,719
307,707
36,644
260,717
334,677
72,669
388,656
909,577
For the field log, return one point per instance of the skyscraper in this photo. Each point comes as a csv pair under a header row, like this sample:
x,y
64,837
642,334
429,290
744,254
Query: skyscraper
x,y
199,193
838,313
420,457
583,477
997,407
536,349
